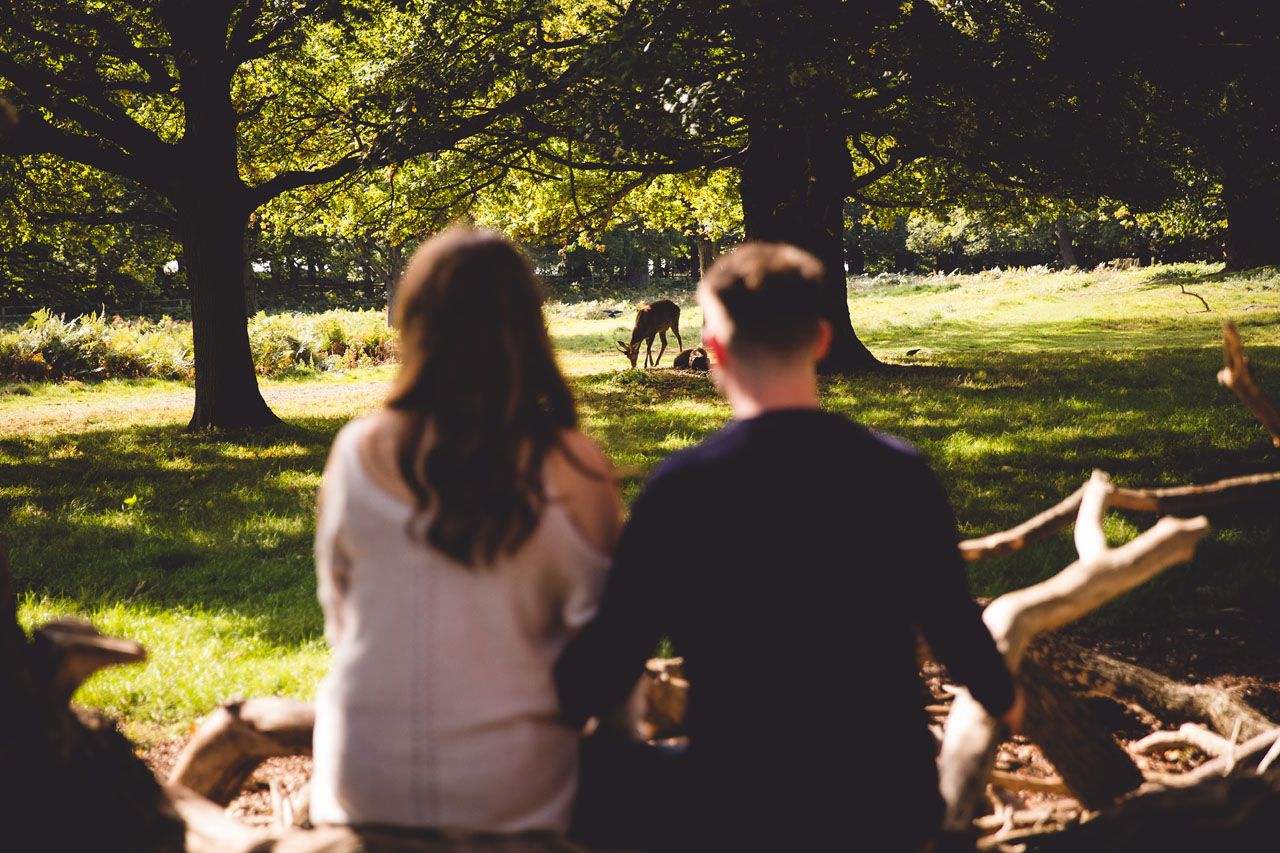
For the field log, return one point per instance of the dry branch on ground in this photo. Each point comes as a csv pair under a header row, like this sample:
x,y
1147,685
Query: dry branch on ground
x,y
1237,375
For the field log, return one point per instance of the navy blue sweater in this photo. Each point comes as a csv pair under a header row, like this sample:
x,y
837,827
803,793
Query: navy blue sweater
x,y
788,558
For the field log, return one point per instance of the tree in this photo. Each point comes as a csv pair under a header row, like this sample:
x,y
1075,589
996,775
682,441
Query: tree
x,y
809,101
1212,67
207,109
1060,99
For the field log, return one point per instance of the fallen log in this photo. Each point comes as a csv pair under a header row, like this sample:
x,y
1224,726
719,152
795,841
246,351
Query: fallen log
x,y
1014,619
1094,767
236,738
210,830
1094,674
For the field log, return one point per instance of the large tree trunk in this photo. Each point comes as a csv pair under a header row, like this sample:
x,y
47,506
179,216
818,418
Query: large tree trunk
x,y
1253,218
395,263
213,207
227,392
638,271
708,251
1066,249
794,181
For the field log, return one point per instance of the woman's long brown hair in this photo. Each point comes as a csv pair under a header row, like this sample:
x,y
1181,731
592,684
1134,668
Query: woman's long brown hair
x,y
481,384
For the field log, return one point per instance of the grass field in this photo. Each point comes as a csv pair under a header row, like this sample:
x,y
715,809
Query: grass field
x,y
200,547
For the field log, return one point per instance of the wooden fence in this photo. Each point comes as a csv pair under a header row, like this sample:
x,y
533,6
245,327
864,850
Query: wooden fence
x,y
20,313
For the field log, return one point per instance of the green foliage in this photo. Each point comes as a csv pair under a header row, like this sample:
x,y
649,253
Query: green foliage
x,y
285,343
49,347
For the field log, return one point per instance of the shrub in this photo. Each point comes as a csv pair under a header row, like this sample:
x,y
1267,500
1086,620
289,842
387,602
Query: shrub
x,y
49,347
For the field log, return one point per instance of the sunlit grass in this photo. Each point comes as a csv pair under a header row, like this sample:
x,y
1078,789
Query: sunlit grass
x,y
200,546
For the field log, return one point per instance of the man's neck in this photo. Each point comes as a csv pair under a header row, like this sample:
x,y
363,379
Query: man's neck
x,y
749,399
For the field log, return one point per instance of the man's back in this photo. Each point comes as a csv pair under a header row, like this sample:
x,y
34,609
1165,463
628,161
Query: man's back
x,y
792,594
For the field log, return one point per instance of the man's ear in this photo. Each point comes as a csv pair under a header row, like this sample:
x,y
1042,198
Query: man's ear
x,y
822,345
717,349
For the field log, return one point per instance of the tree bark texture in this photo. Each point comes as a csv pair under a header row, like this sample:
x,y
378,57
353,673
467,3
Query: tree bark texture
x,y
1253,218
795,177
227,394
1066,249
708,251
1091,762
1094,674
250,288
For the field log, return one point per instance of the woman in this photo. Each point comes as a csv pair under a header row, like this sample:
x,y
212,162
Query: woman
x,y
461,539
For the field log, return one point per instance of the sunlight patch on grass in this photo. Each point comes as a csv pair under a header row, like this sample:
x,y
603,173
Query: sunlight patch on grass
x,y
961,446
194,657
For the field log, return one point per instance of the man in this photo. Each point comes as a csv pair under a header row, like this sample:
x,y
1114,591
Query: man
x,y
792,592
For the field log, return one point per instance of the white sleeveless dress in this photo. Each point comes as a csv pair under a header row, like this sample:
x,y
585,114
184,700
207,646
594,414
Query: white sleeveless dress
x,y
439,707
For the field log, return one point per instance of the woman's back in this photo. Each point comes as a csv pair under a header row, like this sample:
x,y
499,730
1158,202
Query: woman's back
x,y
439,708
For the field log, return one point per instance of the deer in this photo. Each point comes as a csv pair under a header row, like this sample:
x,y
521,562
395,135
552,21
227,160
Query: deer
x,y
692,359
653,319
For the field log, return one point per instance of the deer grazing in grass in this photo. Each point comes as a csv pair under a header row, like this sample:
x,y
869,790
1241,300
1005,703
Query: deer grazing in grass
x,y
651,320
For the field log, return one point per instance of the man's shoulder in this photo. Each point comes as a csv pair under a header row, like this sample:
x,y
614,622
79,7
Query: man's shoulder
x,y
864,444
860,444
690,462
893,448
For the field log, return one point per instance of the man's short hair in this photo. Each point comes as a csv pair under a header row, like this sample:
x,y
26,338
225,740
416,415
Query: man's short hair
x,y
772,293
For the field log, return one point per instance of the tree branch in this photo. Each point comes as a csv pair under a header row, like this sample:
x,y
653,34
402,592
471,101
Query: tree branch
x,y
34,135
106,119
1237,375
293,179
1168,499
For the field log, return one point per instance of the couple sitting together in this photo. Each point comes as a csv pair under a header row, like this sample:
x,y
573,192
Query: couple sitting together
x,y
484,601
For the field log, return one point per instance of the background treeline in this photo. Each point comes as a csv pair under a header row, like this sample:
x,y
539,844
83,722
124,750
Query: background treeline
x,y
127,270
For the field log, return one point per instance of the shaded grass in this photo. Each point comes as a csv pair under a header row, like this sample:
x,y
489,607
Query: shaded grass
x,y
200,546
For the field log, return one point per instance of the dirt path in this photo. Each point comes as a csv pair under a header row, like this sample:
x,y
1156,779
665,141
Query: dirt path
x,y
96,409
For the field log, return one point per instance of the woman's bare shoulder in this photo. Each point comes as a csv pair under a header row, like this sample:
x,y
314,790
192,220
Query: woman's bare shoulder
x,y
378,448
575,444
582,478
